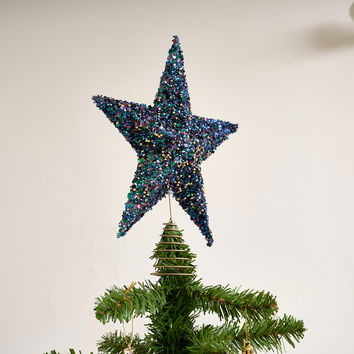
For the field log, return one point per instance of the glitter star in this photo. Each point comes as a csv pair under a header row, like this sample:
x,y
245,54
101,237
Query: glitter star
x,y
170,142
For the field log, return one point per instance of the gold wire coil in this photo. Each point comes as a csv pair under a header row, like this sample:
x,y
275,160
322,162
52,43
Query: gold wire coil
x,y
162,274
172,266
177,236
172,258
170,243
169,250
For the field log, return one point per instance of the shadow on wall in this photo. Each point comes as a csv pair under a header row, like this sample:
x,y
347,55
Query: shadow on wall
x,y
329,37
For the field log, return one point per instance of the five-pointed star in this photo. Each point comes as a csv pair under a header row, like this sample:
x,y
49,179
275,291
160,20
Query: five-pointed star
x,y
170,142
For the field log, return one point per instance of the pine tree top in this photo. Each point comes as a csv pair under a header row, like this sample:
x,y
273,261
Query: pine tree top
x,y
172,255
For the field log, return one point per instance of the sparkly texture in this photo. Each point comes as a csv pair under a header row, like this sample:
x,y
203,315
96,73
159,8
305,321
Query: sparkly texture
x,y
170,142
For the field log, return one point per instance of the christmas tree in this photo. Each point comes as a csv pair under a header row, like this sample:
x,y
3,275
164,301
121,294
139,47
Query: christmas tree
x,y
178,298
175,301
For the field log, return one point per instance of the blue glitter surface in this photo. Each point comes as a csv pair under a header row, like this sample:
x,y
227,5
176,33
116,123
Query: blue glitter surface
x,y
170,142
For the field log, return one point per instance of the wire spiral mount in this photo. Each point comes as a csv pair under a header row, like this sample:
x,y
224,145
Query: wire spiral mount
x,y
172,256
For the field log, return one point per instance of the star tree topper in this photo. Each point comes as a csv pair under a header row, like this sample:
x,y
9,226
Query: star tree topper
x,y
170,142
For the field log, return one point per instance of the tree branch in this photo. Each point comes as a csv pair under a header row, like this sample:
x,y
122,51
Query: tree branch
x,y
118,304
266,335
113,343
230,303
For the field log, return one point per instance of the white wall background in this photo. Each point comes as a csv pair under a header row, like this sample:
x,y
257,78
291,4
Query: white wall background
x,y
280,191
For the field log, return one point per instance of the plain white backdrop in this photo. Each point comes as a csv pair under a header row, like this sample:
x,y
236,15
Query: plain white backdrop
x,y
280,191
